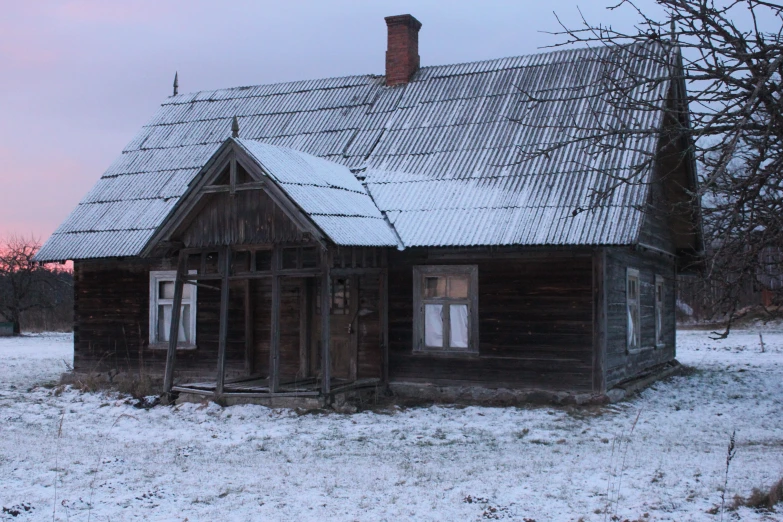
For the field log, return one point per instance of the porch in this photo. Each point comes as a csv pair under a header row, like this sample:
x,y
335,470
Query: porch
x,y
271,299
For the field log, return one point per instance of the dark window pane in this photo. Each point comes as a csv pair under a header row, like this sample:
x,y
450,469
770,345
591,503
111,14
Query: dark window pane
x,y
289,258
241,262
212,263
434,287
166,290
264,260
309,257
194,262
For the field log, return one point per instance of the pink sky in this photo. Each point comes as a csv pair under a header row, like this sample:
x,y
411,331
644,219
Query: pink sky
x,y
79,78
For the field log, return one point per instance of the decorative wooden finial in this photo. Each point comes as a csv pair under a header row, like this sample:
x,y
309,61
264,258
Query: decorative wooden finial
x,y
176,83
235,128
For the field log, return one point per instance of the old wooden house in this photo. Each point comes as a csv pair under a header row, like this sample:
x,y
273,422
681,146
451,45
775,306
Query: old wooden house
x,y
303,238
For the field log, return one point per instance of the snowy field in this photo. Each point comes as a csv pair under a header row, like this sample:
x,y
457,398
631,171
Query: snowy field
x,y
78,457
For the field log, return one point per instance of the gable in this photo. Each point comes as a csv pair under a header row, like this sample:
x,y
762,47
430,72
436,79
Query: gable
x,y
671,219
244,218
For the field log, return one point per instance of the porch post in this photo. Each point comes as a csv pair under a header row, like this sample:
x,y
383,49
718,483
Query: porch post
x,y
326,302
274,342
225,268
171,355
384,306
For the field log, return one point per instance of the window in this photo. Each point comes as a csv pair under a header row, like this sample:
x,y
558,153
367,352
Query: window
x,y
632,298
161,305
341,297
658,310
446,308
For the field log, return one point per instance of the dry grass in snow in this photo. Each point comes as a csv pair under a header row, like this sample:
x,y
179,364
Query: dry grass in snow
x,y
659,456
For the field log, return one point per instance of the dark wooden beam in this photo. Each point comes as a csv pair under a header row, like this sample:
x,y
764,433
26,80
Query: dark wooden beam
x,y
274,341
248,328
599,320
171,355
384,312
225,265
326,305
353,327
305,320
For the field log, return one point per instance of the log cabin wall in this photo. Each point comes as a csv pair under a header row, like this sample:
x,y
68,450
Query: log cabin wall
x,y
111,322
621,365
535,314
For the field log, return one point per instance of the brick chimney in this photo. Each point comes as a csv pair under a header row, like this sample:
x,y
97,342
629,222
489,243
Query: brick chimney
x,y
402,53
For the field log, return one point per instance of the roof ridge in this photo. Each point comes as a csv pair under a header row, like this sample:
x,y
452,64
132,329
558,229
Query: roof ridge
x,y
189,97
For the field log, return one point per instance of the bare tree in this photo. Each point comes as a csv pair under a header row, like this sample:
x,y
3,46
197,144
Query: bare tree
x,y
732,69
24,284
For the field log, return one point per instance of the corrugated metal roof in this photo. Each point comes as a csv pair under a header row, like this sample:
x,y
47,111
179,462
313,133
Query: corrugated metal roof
x,y
441,154
333,198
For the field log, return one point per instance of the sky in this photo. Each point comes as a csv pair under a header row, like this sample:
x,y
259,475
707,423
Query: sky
x,y
79,78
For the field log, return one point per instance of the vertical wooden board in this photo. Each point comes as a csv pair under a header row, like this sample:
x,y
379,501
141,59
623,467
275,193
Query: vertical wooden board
x,y
274,341
326,293
599,320
248,319
262,312
223,332
368,327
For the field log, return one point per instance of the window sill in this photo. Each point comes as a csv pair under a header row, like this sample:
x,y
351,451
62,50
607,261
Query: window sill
x,y
165,346
446,353
635,351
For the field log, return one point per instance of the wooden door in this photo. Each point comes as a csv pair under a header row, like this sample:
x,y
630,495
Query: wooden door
x,y
343,325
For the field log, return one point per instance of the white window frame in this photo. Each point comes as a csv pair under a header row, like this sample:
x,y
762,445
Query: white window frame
x,y
659,297
160,276
633,335
419,301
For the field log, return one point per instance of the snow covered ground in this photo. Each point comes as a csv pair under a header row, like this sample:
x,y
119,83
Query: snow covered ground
x,y
76,456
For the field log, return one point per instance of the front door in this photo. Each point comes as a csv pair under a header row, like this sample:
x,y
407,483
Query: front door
x,y
343,318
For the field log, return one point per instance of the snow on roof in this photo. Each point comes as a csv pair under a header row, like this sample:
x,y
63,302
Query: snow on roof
x,y
327,192
441,154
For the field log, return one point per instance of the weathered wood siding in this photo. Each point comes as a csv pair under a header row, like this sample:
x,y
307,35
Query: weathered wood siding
x,y
291,297
247,217
620,364
535,320
111,322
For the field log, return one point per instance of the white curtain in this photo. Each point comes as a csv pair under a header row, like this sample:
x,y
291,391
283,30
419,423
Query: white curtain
x,y
459,326
164,323
433,325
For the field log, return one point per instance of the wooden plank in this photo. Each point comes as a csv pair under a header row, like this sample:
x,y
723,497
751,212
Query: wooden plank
x,y
305,322
274,340
326,298
248,329
354,327
384,333
171,355
599,320
225,262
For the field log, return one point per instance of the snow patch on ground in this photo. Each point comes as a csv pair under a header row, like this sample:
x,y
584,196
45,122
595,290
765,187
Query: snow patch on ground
x,y
74,456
